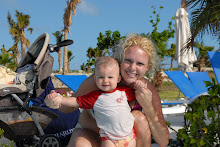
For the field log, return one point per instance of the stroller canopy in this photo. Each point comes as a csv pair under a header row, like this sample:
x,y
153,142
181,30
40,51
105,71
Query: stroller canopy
x,y
36,51
38,56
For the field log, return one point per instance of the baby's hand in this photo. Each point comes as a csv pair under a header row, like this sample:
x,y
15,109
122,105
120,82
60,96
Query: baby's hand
x,y
53,100
143,94
139,84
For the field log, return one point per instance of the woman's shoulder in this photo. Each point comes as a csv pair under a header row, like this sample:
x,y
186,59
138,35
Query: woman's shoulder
x,y
87,86
146,80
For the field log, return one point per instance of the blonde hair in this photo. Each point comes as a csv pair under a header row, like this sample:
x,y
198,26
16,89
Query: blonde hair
x,y
105,61
141,41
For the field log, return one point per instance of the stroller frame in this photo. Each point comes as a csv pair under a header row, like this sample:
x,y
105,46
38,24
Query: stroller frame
x,y
18,97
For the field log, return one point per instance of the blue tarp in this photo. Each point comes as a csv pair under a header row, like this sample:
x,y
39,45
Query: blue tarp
x,y
72,81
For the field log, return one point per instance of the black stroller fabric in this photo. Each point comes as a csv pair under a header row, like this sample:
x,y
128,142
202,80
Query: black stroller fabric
x,y
64,125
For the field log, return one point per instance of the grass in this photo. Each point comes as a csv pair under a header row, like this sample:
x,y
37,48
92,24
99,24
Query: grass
x,y
170,91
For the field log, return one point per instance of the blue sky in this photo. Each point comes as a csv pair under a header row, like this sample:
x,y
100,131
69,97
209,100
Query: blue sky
x,y
93,17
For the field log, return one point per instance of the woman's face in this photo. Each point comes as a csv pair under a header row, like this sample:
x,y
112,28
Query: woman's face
x,y
135,65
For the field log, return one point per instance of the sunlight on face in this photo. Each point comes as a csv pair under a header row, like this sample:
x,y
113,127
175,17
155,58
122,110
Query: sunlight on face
x,y
135,65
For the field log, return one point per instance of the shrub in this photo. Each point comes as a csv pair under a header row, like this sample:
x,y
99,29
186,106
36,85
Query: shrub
x,y
202,120
1,136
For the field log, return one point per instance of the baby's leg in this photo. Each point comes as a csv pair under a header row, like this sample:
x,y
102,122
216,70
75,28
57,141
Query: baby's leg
x,y
108,143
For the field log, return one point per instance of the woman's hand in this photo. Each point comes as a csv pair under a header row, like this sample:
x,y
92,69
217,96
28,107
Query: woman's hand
x,y
142,93
53,100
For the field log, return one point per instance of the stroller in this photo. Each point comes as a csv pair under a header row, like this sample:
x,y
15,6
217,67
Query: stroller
x,y
21,121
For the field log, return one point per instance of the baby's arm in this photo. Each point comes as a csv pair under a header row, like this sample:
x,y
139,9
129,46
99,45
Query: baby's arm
x,y
55,100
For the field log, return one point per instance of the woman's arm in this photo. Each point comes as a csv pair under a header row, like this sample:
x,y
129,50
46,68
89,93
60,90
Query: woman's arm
x,y
85,120
87,86
156,102
150,101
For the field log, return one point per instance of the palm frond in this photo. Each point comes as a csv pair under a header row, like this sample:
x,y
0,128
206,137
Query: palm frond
x,y
205,18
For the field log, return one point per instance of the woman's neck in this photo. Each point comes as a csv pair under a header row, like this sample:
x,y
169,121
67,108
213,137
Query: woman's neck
x,y
124,83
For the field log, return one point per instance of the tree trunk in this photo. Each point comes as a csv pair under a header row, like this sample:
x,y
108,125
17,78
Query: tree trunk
x,y
17,54
22,49
68,67
65,54
23,43
171,63
202,64
60,60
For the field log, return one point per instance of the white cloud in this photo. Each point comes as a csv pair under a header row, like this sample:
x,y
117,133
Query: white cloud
x,y
88,8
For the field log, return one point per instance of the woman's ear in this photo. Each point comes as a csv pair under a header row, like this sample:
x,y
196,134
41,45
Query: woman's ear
x,y
148,67
119,78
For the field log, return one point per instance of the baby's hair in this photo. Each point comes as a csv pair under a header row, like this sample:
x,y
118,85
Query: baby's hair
x,y
105,61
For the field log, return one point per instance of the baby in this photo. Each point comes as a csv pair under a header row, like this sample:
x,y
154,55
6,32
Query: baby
x,y
110,104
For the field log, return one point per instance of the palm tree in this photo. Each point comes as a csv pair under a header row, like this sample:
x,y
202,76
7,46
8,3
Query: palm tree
x,y
183,4
203,56
71,8
7,58
13,31
59,38
98,52
17,29
83,67
90,53
69,58
10,51
205,17
172,54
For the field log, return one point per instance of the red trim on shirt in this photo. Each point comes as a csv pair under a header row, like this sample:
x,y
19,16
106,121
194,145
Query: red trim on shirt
x,y
88,101
129,92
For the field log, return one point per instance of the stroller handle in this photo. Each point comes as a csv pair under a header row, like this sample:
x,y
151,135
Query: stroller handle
x,y
56,47
65,43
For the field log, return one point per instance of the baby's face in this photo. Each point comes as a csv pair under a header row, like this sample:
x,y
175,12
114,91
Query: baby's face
x,y
107,78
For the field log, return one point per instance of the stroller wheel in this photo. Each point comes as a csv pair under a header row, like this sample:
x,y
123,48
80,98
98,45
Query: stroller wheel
x,y
49,141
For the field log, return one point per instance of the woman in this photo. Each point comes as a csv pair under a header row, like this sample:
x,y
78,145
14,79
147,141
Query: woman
x,y
136,55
